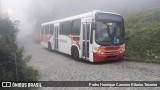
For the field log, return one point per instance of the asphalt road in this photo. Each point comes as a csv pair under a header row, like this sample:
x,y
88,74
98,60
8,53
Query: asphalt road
x,y
55,66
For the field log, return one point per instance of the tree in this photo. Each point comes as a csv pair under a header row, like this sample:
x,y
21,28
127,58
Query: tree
x,y
10,52
7,28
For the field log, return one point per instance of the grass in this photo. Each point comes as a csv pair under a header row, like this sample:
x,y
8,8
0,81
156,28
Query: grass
x,y
143,35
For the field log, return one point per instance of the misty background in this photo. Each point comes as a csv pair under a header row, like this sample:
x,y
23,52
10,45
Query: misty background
x,y
32,13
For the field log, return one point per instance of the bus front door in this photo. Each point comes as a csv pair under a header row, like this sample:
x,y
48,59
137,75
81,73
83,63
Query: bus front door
x,y
86,40
56,33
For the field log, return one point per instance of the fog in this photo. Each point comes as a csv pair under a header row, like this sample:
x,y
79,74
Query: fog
x,y
40,11
32,13
16,10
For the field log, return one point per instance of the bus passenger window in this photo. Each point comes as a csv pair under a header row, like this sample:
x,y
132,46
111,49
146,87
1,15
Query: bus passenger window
x,y
42,30
47,29
51,29
66,28
76,26
60,29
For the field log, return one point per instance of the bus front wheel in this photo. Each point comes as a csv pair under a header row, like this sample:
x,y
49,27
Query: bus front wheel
x,y
75,53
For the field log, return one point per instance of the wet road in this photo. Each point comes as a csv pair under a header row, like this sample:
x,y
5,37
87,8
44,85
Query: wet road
x,y
54,66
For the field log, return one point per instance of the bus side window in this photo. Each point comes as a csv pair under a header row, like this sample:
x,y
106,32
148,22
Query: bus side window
x,y
42,30
47,29
51,29
76,26
66,28
60,29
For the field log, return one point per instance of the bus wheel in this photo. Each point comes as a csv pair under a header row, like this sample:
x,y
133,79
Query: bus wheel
x,y
75,53
49,47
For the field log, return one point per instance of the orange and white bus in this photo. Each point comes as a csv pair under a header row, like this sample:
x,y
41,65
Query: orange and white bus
x,y
95,36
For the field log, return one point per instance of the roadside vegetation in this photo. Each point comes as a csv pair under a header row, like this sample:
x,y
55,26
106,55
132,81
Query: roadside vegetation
x,y
8,52
143,35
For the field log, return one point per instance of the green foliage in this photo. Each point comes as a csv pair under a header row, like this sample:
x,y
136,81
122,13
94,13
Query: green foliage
x,y
8,51
143,34
7,28
6,59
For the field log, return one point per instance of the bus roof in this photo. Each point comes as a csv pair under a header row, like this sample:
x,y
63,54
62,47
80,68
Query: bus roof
x,y
78,16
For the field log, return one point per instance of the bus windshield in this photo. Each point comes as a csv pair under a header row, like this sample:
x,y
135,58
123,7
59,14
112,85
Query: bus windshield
x,y
109,33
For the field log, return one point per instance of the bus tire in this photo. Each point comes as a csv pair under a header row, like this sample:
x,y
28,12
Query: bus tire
x,y
49,47
75,53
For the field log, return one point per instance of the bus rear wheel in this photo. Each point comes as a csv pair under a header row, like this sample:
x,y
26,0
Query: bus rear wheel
x,y
75,53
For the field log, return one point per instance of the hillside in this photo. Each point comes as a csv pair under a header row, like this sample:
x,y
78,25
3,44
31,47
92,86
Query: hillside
x,y
143,34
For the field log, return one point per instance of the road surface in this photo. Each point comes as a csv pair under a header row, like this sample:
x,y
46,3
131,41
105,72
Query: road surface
x,y
54,66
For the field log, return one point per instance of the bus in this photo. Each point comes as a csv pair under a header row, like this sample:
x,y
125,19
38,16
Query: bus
x,y
95,36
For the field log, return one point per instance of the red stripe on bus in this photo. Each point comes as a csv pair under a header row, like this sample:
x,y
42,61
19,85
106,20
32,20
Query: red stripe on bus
x,y
74,42
45,38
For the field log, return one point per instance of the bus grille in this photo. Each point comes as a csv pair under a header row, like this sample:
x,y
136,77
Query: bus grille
x,y
111,53
111,56
112,48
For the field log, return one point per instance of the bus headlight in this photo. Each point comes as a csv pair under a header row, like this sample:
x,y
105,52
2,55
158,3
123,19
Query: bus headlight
x,y
99,51
122,50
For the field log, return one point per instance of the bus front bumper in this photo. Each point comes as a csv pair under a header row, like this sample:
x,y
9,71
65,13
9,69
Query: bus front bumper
x,y
104,57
